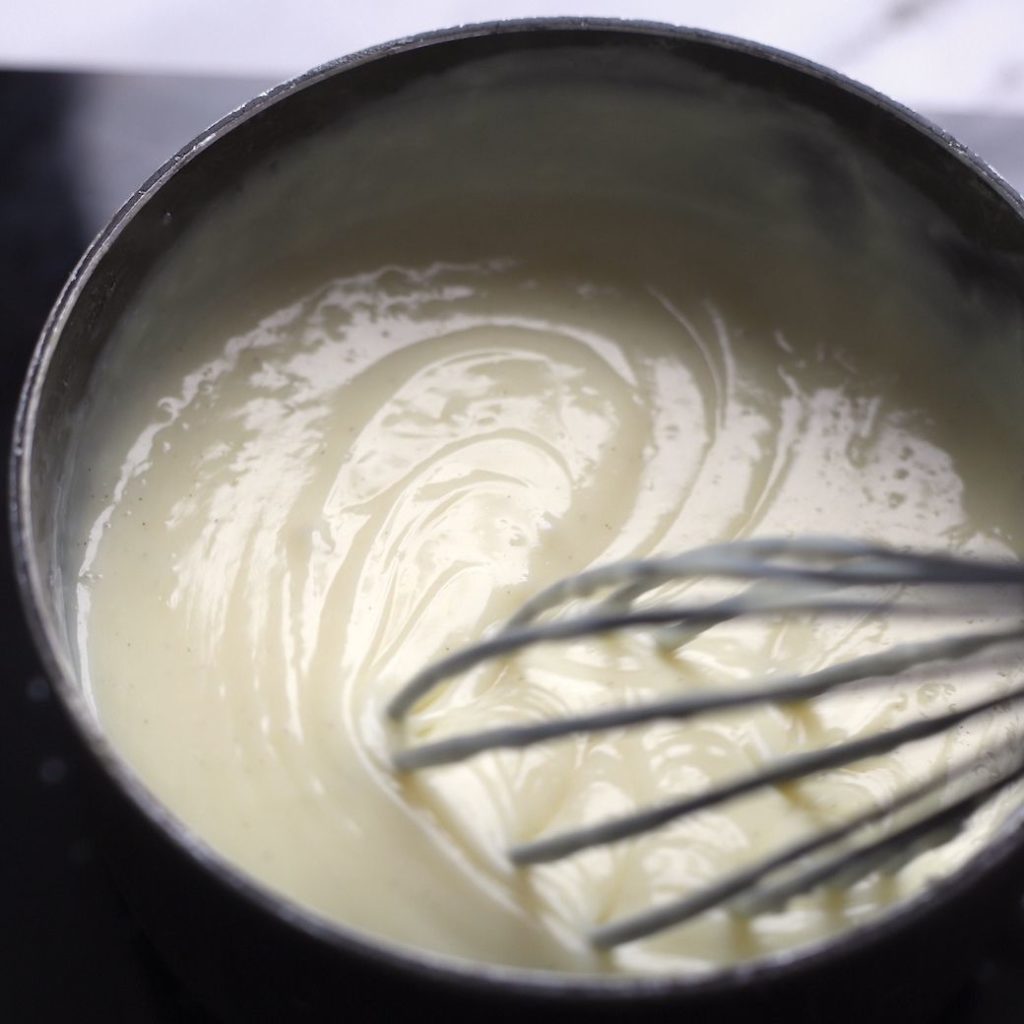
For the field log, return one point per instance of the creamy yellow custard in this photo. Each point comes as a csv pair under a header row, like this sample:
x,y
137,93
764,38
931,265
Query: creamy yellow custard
x,y
292,511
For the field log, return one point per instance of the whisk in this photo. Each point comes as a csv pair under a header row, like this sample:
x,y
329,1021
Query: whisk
x,y
784,576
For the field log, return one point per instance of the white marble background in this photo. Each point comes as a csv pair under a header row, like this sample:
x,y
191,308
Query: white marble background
x,y
949,55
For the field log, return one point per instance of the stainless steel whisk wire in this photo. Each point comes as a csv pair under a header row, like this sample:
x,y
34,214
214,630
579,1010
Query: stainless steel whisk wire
x,y
785,576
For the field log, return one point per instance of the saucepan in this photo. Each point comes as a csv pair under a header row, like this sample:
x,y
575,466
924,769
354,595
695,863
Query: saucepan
x,y
691,120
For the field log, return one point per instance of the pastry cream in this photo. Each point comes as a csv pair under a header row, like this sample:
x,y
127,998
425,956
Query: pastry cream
x,y
322,482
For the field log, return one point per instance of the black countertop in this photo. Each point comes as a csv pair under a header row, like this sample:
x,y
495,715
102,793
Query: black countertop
x,y
72,148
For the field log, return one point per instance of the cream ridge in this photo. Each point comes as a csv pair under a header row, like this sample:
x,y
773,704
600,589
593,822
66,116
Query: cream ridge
x,y
324,482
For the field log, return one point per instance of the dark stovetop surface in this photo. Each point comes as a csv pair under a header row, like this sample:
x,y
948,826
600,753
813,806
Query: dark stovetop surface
x,y
72,147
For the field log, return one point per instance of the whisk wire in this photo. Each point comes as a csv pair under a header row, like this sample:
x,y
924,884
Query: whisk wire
x,y
743,881
878,668
718,561
784,770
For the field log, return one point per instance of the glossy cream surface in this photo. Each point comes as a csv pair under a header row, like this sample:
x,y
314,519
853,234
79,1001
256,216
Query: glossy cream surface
x,y
330,480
